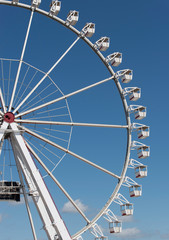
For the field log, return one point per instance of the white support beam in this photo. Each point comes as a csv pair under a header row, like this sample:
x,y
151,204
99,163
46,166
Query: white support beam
x,y
24,193
46,75
69,152
57,183
21,60
69,123
47,209
65,96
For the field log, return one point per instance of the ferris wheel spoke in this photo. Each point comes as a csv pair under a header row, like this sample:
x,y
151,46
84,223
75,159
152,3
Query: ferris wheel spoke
x,y
64,97
21,60
69,152
18,93
37,95
70,123
46,75
2,101
57,182
48,135
42,98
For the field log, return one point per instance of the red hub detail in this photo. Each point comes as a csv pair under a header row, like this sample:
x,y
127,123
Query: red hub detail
x,y
9,117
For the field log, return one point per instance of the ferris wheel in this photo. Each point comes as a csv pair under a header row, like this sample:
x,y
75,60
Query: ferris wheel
x,y
37,130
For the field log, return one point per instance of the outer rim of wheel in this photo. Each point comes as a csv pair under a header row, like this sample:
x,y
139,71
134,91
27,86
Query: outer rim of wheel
x,y
125,106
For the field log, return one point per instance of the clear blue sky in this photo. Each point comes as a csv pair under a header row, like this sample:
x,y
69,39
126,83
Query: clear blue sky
x,y
139,30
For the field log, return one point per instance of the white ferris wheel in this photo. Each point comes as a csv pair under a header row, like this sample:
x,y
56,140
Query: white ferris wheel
x,y
37,126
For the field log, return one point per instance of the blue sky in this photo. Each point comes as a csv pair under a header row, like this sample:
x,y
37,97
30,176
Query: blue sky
x,y
139,30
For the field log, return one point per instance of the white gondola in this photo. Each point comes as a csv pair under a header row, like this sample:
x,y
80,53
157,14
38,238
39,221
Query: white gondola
x,y
135,94
127,209
135,191
89,29
103,43
55,8
143,151
143,132
126,76
36,3
73,17
141,171
115,227
140,112
114,59
9,191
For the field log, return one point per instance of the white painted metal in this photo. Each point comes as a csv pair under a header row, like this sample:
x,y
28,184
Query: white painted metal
x,y
69,152
143,131
44,77
127,158
143,152
15,1
2,101
102,44
126,75
114,59
115,227
73,17
63,97
139,111
21,59
69,123
25,196
96,230
127,209
135,191
133,92
88,30
57,182
36,3
39,190
141,171
55,8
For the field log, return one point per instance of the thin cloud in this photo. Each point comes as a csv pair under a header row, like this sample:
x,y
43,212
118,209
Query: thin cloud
x,y
69,208
126,218
129,233
0,218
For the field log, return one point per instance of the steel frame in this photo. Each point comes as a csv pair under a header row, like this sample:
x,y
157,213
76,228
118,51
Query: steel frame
x,y
40,194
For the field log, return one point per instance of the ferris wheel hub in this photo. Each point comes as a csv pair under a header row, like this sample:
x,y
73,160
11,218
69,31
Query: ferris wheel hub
x,y
9,117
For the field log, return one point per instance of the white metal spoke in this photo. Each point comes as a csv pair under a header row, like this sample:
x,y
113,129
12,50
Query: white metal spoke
x,y
32,99
42,152
3,129
69,123
42,98
21,84
57,182
25,195
51,110
61,115
61,139
3,84
64,97
21,59
9,83
46,75
69,152
27,86
2,101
